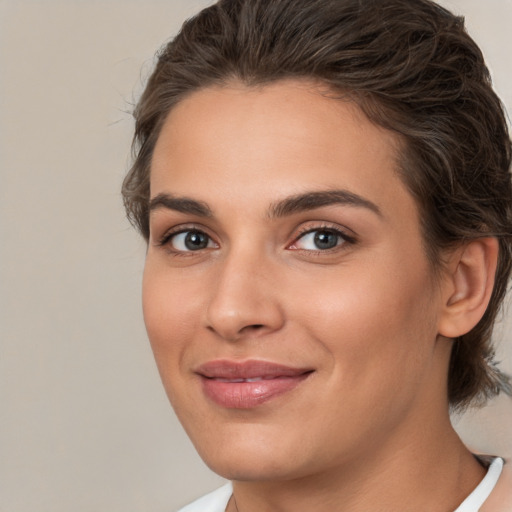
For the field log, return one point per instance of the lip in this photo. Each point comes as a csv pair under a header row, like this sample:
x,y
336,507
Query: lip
x,y
247,384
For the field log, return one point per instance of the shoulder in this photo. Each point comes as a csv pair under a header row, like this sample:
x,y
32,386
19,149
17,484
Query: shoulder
x,y
215,501
500,499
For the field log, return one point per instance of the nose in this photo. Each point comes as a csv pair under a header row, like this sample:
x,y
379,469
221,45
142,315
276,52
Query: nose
x,y
244,301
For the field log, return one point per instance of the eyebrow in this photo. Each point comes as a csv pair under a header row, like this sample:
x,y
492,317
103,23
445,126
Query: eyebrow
x,y
312,200
180,204
288,206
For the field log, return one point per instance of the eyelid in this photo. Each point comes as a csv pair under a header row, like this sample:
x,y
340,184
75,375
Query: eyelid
x,y
182,228
341,231
306,228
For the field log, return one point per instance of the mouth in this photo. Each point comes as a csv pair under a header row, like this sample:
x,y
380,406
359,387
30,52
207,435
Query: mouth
x,y
244,385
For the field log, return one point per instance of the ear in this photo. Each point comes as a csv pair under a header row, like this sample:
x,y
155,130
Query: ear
x,y
469,282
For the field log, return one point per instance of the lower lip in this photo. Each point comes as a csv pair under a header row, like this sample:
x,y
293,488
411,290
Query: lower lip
x,y
246,395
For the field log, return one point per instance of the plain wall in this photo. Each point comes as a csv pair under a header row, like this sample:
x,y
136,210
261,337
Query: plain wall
x,y
84,423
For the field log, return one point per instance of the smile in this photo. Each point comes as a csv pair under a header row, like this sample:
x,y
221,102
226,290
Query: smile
x,y
236,385
255,379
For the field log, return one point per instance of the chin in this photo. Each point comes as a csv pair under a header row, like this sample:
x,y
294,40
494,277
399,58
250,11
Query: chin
x,y
263,454
249,456
259,468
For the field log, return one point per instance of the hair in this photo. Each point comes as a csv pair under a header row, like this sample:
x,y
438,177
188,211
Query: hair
x,y
412,69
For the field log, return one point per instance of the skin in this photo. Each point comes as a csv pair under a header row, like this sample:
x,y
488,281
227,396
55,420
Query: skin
x,y
369,428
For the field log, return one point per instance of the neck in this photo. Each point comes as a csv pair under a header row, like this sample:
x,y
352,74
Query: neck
x,y
430,470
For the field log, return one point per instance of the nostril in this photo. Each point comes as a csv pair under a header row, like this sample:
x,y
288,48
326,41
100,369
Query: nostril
x,y
246,329
252,328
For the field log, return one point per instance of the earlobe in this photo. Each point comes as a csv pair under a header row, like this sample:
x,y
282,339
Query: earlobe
x,y
470,282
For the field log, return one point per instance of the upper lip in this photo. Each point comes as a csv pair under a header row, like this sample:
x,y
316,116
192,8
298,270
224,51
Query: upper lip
x,y
250,369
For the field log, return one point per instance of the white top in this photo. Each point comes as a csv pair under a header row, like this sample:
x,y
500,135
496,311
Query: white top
x,y
217,501
476,499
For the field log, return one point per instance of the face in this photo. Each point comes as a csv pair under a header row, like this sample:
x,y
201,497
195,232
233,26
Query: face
x,y
287,296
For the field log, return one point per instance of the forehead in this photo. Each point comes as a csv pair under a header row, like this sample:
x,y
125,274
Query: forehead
x,y
280,139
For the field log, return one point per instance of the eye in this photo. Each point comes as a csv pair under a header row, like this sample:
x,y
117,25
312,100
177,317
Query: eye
x,y
190,240
320,240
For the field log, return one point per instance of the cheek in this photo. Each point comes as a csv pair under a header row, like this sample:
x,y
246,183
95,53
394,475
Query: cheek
x,y
169,318
378,324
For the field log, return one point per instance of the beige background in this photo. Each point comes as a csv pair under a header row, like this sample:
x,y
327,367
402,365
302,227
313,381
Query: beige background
x,y
84,423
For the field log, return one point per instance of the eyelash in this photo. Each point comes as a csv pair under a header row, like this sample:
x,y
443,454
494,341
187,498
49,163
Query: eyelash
x,y
336,230
169,235
341,234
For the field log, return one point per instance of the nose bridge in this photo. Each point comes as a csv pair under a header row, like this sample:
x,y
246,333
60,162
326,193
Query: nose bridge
x,y
243,299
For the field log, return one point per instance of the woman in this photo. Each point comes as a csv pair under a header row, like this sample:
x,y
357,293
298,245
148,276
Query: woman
x,y
324,188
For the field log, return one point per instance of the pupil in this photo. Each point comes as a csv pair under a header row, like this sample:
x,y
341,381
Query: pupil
x,y
195,240
326,240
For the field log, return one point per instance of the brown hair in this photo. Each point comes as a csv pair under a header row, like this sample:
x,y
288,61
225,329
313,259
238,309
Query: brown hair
x,y
412,68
